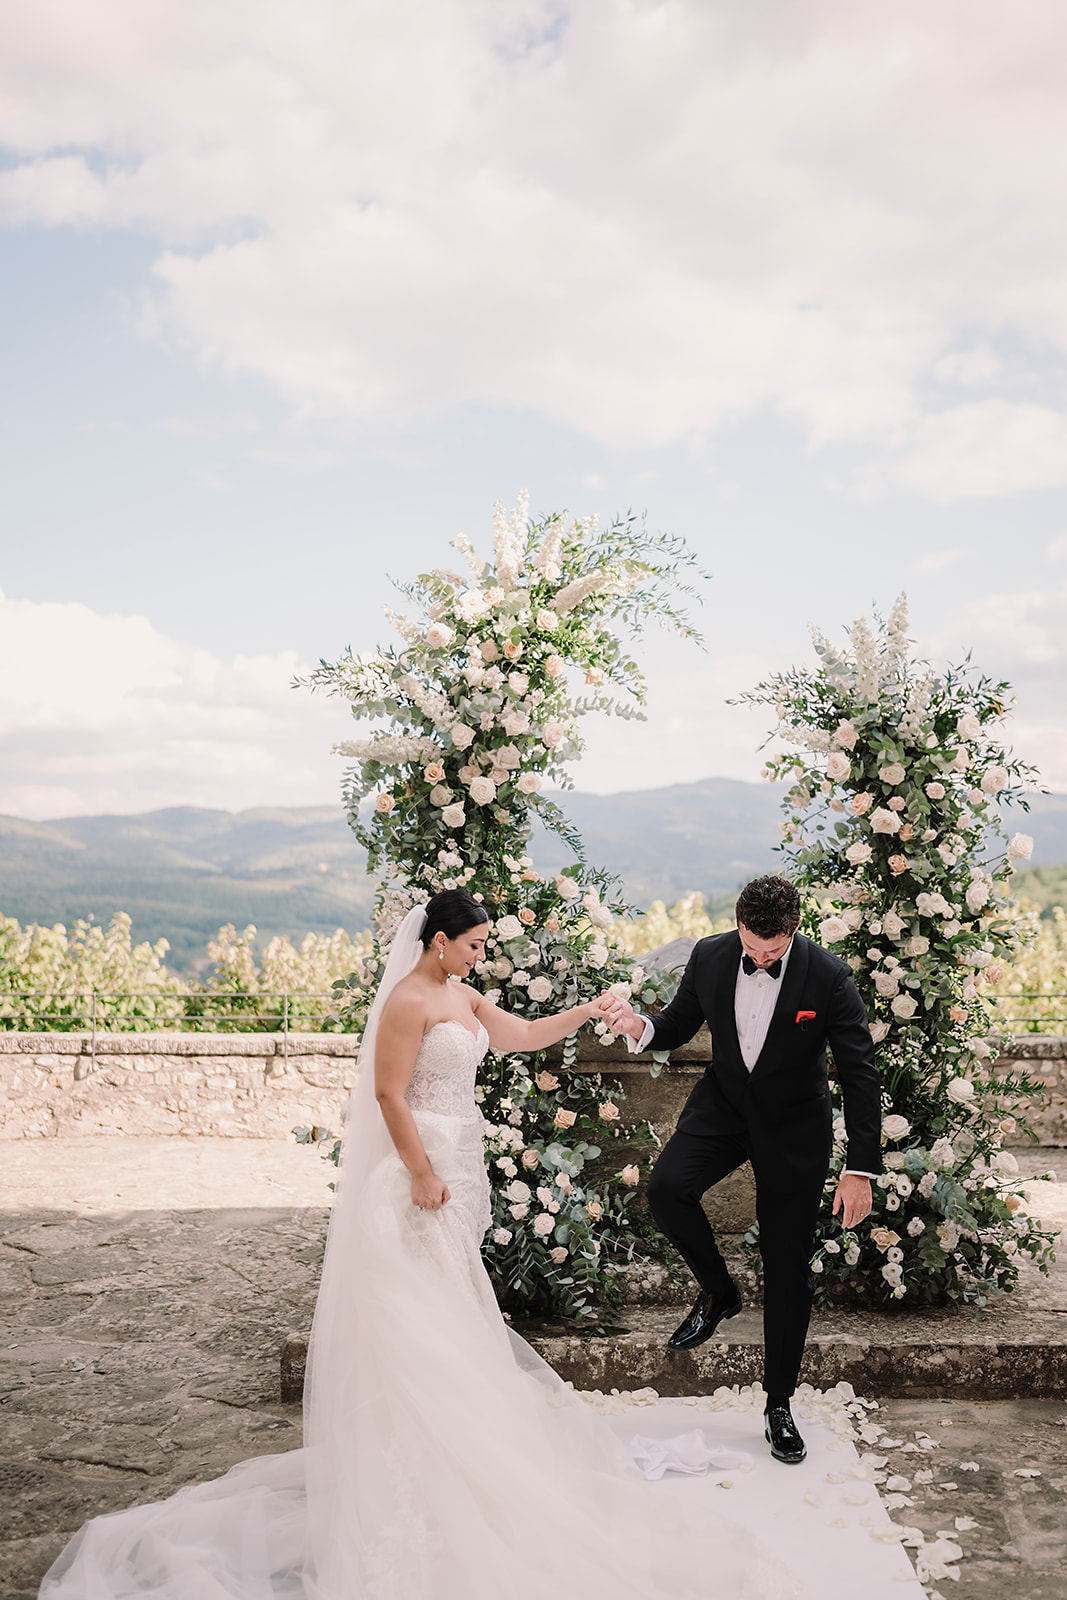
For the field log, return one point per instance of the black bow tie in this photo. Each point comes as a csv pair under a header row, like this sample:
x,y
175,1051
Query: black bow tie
x,y
773,971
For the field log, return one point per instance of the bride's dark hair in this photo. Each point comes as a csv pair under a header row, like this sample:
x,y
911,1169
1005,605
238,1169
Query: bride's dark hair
x,y
452,912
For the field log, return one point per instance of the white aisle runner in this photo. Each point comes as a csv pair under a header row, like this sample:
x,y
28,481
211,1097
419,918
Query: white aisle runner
x,y
823,1518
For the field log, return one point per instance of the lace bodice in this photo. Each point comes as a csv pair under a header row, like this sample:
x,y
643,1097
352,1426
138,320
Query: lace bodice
x,y
445,1070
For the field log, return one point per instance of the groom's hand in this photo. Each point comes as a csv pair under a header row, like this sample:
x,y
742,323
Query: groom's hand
x,y
853,1199
620,1015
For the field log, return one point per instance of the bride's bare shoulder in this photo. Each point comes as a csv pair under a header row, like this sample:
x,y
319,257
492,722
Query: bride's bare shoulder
x,y
408,1006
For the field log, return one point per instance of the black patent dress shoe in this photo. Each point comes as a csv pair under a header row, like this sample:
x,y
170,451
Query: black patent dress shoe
x,y
781,1433
708,1311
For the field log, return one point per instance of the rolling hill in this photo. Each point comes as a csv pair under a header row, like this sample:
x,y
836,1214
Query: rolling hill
x,y
182,872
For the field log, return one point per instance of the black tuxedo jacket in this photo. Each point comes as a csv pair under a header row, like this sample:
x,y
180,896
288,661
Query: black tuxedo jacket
x,y
780,1110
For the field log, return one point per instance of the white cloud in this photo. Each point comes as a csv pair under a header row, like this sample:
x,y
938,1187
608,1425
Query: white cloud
x,y
104,713
1023,638
990,448
640,217
1056,549
937,560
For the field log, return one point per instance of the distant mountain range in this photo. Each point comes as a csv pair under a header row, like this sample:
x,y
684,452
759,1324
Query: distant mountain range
x,y
182,872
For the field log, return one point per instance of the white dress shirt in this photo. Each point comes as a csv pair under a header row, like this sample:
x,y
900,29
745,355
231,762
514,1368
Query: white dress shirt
x,y
755,997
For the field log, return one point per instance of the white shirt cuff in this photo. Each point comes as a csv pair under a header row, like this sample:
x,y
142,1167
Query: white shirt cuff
x,y
635,1046
850,1172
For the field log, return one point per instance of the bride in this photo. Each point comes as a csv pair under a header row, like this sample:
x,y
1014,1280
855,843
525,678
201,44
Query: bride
x,y
443,1460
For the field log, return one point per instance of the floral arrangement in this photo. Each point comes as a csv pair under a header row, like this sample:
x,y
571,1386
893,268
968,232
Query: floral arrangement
x,y
897,775
478,708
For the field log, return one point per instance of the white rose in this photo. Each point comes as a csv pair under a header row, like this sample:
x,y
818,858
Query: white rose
x,y
846,735
961,1090
896,1127
948,1234
596,955
462,736
892,925
482,791
453,816
515,722
540,989
917,945
838,766
508,756
518,1192
471,605
439,635
887,984
544,1223
977,894
892,774
547,621
518,1212
833,930
916,1226
904,1006
994,780
879,1031
936,791
508,928
568,888
860,804
552,734
858,853
502,968
440,795
502,1236
528,783
1021,847
518,682
1005,1162
883,821
968,726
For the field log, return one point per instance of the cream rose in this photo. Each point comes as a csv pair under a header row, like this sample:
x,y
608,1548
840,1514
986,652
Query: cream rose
x,y
594,1210
502,1236
488,649
530,1160
994,780
961,1090
833,930
860,804
893,774
462,736
508,928
482,791
879,1031
528,783
518,1192
883,821
904,1006
1021,847
439,636
935,791
544,1224
859,853
884,1238
440,795
887,984
564,1118
545,1081
968,726
896,1127
568,888
385,803
977,894
547,621
507,756
846,735
512,649
631,1176
540,990
453,816
608,1112
434,773
838,766
897,865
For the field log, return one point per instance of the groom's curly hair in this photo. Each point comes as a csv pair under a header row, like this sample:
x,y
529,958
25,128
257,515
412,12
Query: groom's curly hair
x,y
769,907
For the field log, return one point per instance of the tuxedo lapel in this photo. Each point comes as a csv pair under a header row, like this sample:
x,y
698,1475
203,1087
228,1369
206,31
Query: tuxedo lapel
x,y
783,1018
723,1016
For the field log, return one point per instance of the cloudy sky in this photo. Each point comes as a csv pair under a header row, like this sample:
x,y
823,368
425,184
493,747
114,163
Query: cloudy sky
x,y
294,291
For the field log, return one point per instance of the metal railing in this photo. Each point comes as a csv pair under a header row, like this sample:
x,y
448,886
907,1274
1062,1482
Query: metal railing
x,y
96,1011
1032,1010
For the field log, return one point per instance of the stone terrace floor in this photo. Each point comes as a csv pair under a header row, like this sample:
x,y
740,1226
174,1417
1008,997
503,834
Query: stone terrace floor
x,y
147,1285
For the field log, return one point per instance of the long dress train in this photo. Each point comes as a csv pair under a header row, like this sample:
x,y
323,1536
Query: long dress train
x,y
443,1460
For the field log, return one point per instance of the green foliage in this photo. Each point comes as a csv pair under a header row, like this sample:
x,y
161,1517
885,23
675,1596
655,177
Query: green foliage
x,y
888,828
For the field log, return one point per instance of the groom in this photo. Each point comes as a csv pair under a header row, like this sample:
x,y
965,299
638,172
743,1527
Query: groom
x,y
773,1001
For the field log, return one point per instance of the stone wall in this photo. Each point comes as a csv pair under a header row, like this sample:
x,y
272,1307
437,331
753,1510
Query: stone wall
x,y
260,1085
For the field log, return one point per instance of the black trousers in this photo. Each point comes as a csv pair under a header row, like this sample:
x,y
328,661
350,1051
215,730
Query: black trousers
x,y
688,1166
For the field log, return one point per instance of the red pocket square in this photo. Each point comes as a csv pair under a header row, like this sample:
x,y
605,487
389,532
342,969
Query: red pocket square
x,y
805,1016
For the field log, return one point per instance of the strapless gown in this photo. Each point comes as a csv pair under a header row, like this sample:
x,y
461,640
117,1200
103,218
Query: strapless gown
x,y
443,1460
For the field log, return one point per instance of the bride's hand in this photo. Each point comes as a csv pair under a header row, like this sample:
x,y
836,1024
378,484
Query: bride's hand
x,y
429,1193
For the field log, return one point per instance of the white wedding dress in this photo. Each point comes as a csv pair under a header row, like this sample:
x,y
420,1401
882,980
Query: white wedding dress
x,y
443,1460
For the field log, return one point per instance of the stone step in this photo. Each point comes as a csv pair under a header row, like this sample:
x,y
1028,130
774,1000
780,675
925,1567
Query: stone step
x,y
1014,1353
